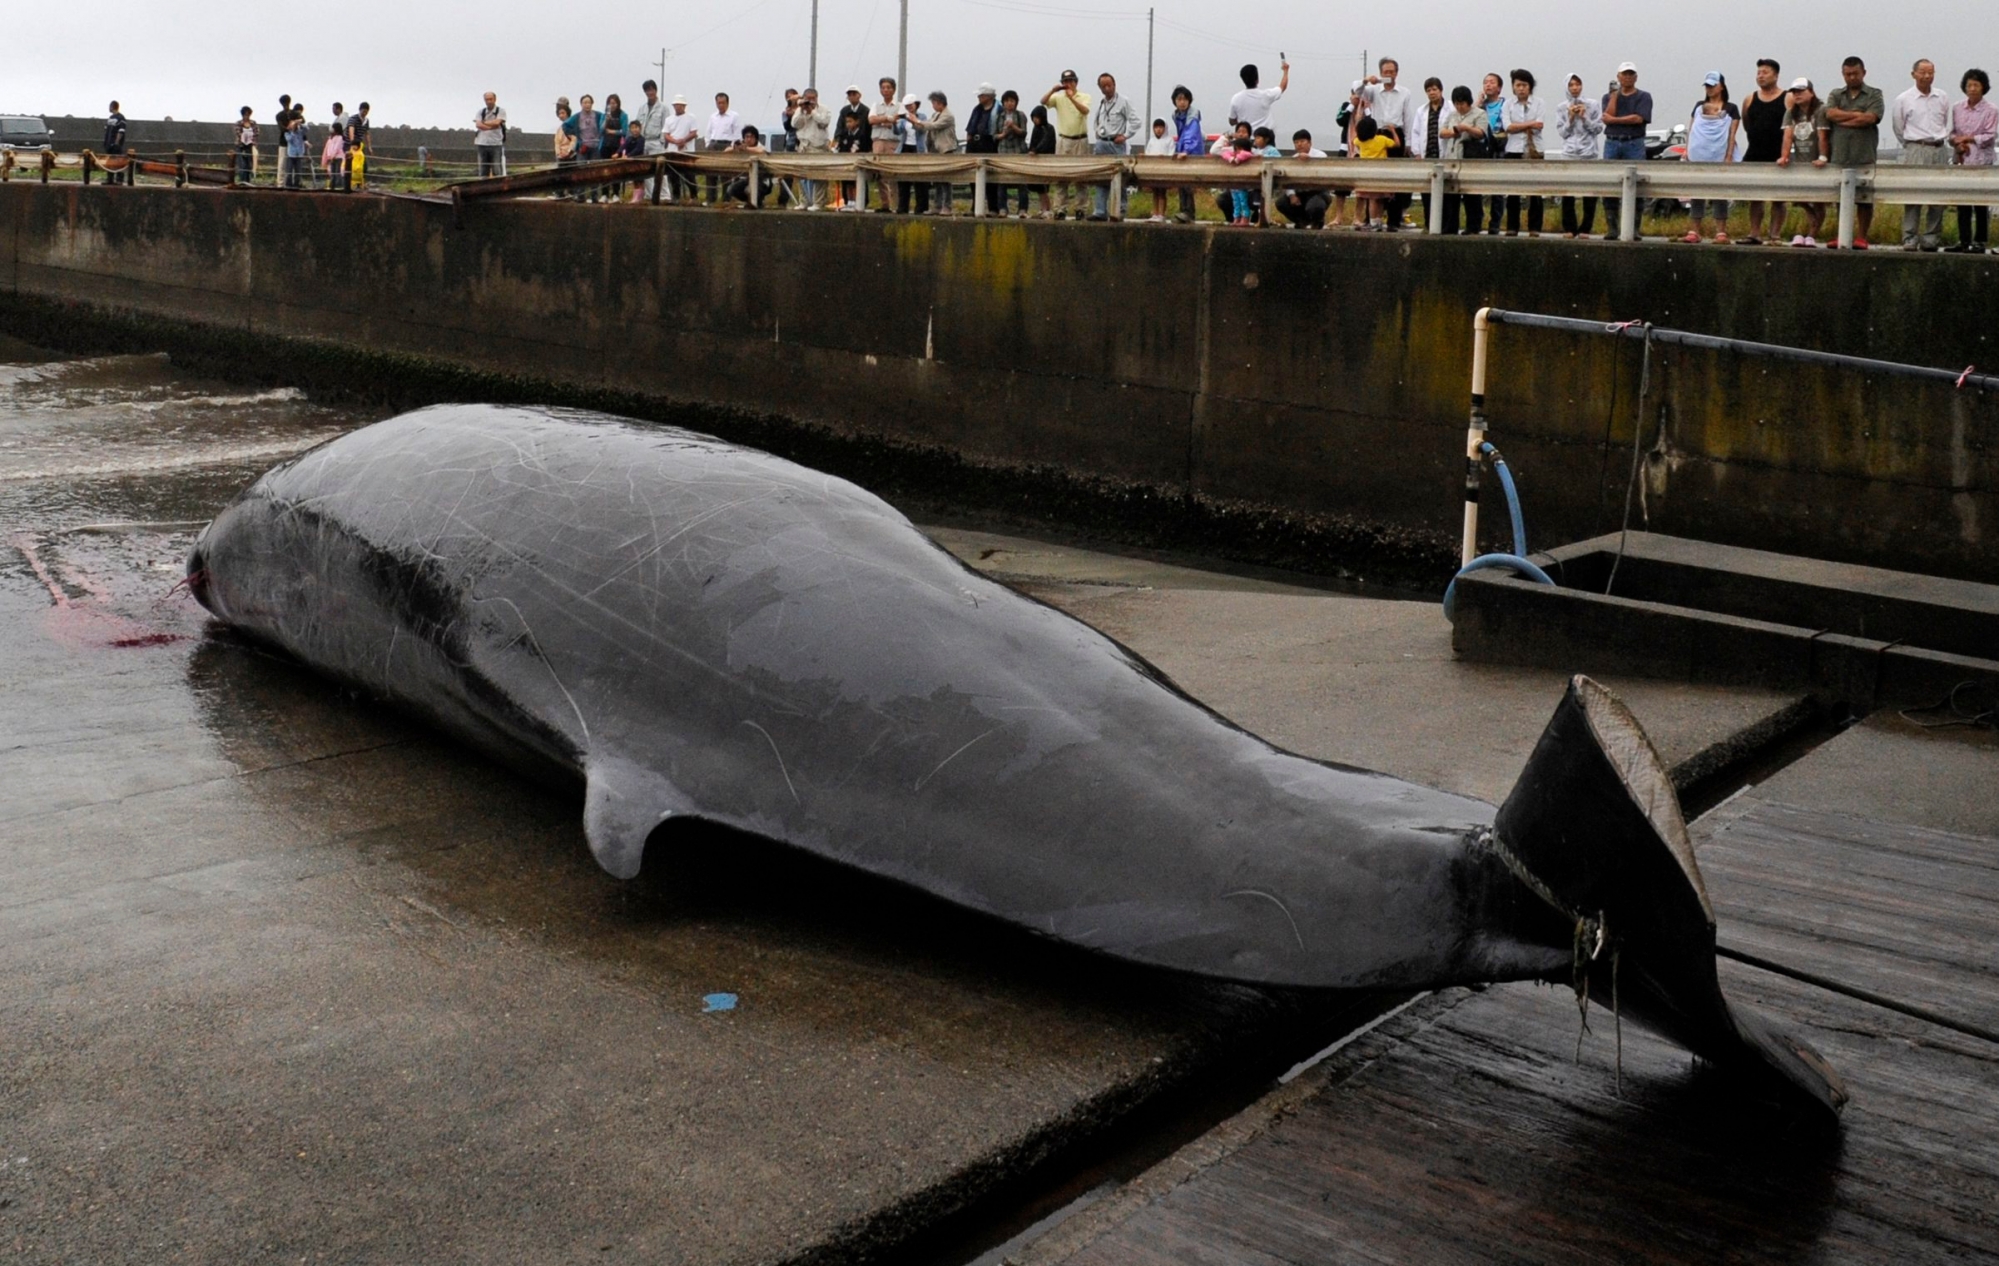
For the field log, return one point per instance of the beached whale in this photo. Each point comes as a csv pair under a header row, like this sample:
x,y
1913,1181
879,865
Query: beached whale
x,y
694,628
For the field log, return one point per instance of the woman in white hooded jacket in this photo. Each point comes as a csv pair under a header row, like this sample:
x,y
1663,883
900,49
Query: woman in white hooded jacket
x,y
1579,122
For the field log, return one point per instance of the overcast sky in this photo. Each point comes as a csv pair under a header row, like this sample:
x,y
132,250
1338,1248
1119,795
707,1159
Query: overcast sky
x,y
426,64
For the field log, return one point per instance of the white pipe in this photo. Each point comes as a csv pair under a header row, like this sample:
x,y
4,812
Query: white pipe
x,y
1481,327
1849,198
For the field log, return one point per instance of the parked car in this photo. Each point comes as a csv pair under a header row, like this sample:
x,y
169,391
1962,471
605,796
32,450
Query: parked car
x,y
25,132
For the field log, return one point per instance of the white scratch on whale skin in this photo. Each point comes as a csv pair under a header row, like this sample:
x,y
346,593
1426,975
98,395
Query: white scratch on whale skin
x,y
1272,899
953,756
780,760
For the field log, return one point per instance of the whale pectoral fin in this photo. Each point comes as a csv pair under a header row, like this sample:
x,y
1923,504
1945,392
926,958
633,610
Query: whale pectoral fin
x,y
1594,828
622,805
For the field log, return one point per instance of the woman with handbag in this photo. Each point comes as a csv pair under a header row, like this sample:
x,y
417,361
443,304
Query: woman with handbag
x,y
1524,125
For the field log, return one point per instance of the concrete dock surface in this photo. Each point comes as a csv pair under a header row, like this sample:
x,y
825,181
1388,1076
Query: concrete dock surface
x,y
291,978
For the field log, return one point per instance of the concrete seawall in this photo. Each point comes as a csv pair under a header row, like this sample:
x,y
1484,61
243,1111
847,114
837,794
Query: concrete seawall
x,y
1287,373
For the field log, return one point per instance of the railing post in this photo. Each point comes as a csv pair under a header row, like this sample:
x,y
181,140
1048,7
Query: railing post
x,y
1849,203
48,164
860,186
89,165
1116,208
979,190
1433,219
180,169
1628,217
1269,189
756,184
658,177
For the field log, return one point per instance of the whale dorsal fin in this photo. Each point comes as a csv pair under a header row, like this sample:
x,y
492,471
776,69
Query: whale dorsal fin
x,y
623,803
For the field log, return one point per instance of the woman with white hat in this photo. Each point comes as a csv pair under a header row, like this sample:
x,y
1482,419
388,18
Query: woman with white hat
x,y
1805,137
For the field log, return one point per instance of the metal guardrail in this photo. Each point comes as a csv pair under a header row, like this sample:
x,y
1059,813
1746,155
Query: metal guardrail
x,y
1632,183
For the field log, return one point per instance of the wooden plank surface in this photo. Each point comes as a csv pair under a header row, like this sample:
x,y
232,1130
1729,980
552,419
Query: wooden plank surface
x,y
1465,1130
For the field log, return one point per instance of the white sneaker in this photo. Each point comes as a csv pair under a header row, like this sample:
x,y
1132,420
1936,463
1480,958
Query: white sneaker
x,y
1811,241
1799,240
1156,219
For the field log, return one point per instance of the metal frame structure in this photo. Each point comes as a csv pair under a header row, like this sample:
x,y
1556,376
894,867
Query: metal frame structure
x,y
1486,318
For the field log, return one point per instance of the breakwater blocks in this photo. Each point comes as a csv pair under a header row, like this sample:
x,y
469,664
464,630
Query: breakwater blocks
x,y
1284,372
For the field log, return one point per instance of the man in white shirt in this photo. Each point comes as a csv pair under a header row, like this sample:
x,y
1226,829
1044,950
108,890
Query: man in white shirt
x,y
1253,104
652,125
489,138
1389,107
676,136
725,128
1921,119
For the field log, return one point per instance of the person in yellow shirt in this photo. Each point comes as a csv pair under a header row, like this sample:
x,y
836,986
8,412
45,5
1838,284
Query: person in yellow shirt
x,y
1071,111
1369,141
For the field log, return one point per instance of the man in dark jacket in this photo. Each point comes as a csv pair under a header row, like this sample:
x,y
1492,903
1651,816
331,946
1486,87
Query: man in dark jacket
x,y
114,143
855,106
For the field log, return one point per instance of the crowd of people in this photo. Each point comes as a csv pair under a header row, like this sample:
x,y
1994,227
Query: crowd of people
x,y
1509,116
335,157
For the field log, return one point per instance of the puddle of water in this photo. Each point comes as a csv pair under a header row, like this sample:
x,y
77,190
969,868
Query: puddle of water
x,y
79,434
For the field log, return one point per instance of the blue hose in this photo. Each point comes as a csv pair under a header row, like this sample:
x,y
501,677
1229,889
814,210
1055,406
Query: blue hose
x,y
1512,499
1517,560
1481,563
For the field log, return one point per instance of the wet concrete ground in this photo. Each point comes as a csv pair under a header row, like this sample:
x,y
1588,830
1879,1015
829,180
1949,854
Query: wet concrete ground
x,y
289,977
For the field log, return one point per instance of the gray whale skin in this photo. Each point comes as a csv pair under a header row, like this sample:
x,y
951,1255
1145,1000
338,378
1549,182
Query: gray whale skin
x,y
694,628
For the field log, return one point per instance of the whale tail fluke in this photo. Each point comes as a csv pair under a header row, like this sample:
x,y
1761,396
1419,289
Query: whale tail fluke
x,y
1594,828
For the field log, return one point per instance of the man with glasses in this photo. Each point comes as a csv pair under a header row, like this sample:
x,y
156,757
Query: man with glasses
x,y
1069,110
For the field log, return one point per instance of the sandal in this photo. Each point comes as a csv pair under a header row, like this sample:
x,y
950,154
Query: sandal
x,y
1751,240
1692,238
1721,239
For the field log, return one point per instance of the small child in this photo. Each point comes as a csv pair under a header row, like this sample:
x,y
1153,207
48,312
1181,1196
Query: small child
x,y
634,145
1368,142
1159,145
333,155
1240,208
246,147
295,160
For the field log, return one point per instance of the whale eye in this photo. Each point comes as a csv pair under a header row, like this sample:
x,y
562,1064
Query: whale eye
x,y
197,576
